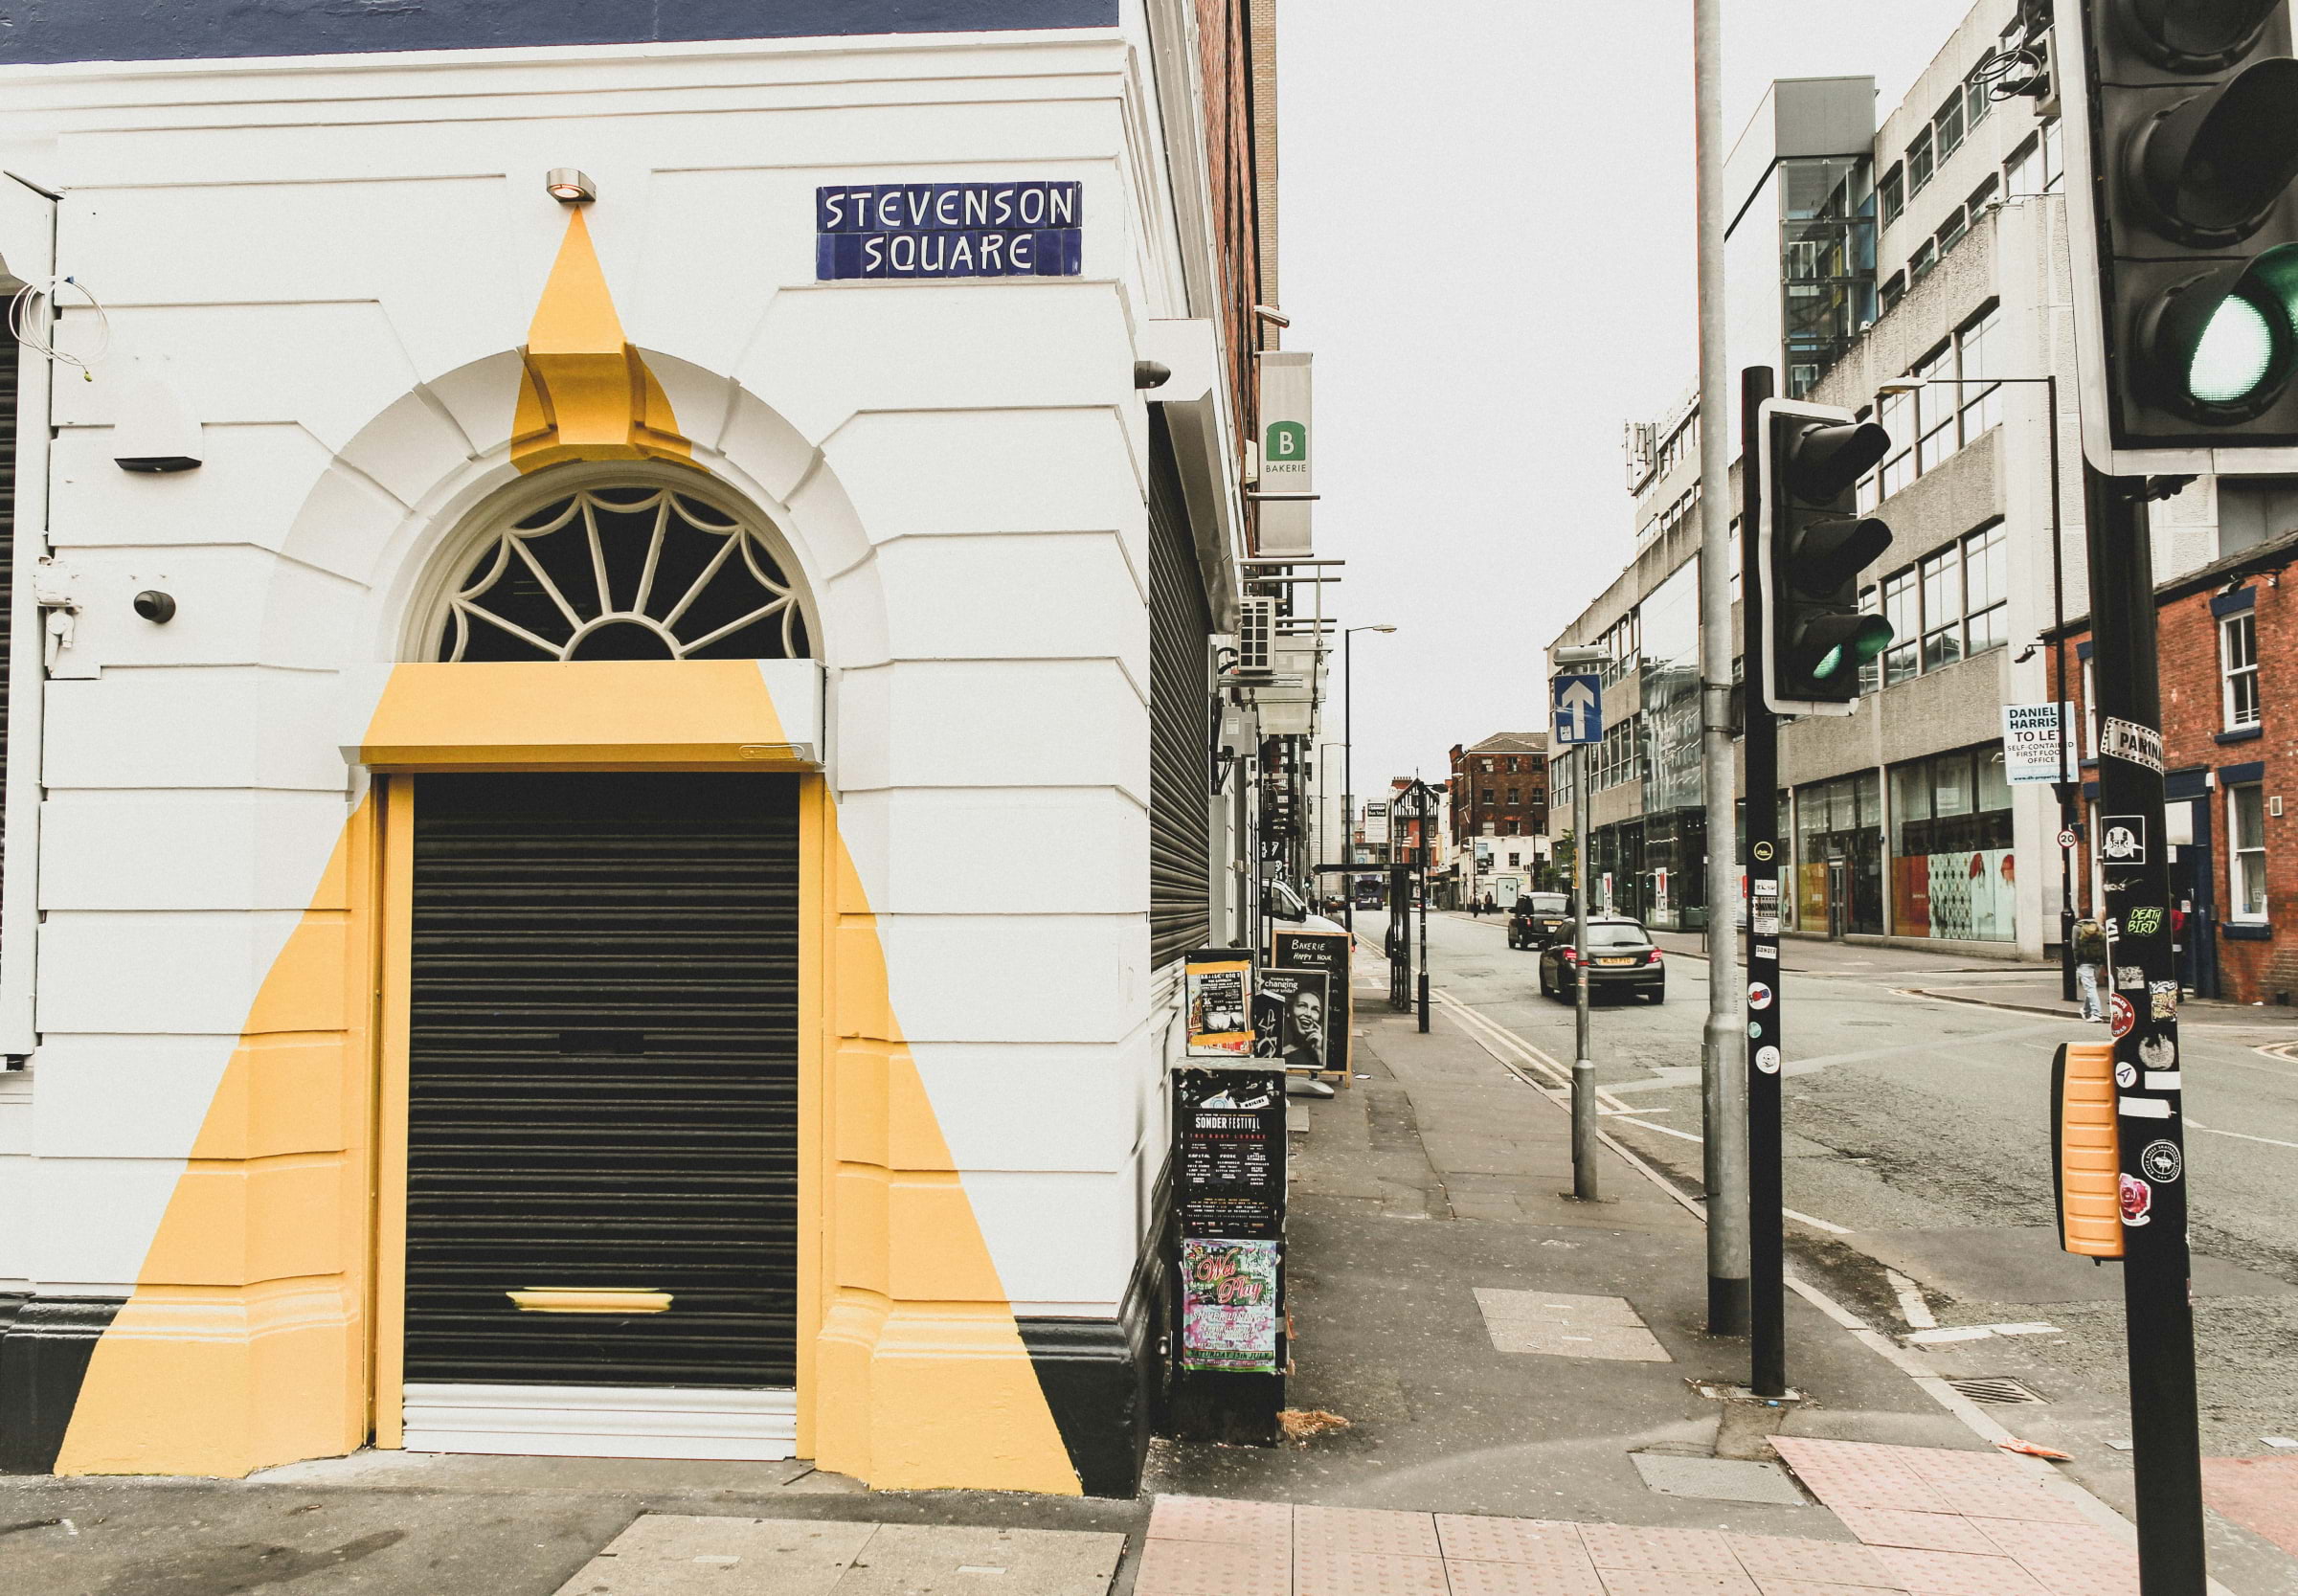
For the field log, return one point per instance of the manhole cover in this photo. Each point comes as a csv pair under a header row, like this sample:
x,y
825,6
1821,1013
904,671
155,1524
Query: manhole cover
x,y
1996,1388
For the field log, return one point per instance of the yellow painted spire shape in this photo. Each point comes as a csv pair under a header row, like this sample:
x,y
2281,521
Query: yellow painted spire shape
x,y
584,393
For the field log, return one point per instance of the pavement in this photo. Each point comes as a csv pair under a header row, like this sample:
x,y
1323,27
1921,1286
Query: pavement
x,y
1502,1388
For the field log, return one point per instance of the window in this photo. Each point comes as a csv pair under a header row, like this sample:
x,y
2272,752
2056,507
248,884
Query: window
x,y
1935,411
1901,611
1976,103
1946,126
1919,162
2246,822
624,572
1895,289
2237,662
1942,583
1485,765
1893,192
1950,232
2054,159
1515,859
2023,174
1871,671
1515,795
1488,790
1980,348
1897,414
1927,255
1981,197
1985,590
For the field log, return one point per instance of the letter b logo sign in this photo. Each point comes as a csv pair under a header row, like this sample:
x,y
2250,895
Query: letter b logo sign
x,y
1287,440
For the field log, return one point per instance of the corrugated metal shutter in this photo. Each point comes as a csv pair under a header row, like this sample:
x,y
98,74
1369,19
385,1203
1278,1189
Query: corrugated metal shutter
x,y
8,537
603,1077
1180,836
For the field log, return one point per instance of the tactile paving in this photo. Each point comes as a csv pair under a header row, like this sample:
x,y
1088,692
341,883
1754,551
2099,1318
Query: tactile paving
x,y
1535,1541
1379,1531
1213,1568
1808,1588
2016,1499
1218,1518
1778,1557
1622,1546
1857,1473
2068,1559
1673,1581
1335,1573
1957,1574
1523,1578
1939,1464
1929,1532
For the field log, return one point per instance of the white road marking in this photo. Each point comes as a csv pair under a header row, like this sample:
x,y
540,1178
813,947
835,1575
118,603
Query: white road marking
x,y
1911,1306
2194,1124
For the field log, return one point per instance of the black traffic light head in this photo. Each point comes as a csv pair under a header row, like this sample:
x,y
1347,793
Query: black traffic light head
x,y
1813,546
2183,196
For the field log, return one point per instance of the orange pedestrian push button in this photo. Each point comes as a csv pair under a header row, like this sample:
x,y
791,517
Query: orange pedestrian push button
x,y
2087,1150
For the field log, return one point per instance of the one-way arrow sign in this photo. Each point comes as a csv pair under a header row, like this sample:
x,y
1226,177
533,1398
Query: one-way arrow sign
x,y
1578,710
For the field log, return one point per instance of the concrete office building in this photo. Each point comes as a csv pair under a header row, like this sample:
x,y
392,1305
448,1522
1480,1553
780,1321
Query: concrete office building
x,y
598,859
1932,246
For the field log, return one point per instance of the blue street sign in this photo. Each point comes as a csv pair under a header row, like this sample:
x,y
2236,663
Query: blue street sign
x,y
1577,709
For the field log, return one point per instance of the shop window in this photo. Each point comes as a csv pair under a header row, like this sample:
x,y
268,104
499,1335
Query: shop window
x,y
2246,824
2238,665
1952,874
624,572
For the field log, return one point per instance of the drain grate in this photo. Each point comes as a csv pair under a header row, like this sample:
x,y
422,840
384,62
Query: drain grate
x,y
1997,1388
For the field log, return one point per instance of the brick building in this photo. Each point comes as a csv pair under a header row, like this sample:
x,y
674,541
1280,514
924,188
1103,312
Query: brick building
x,y
1500,815
2226,632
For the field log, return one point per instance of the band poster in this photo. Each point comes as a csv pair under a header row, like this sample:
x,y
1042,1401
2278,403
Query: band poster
x,y
1229,1175
1229,1305
1218,995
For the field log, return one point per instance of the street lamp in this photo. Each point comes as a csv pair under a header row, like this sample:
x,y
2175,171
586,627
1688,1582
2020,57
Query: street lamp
x,y
1348,796
1584,1066
2064,787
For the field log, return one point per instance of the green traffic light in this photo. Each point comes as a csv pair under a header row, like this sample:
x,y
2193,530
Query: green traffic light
x,y
1868,639
2234,353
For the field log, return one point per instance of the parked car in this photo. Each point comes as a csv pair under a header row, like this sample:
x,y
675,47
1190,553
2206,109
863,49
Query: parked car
x,y
1621,956
1533,921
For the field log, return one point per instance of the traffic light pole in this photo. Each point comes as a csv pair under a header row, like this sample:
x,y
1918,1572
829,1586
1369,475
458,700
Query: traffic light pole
x,y
2166,1450
1767,1240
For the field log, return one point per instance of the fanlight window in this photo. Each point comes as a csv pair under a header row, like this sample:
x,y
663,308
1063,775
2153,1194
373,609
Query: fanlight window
x,y
624,574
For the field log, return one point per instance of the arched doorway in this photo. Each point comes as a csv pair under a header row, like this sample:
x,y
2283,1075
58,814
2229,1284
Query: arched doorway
x,y
602,1010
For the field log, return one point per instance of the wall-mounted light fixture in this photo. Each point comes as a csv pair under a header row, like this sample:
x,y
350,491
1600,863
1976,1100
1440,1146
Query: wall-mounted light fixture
x,y
152,433
1150,373
570,186
156,606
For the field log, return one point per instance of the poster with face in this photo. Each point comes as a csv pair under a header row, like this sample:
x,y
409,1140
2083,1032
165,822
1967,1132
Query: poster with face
x,y
1290,1020
1218,990
1326,953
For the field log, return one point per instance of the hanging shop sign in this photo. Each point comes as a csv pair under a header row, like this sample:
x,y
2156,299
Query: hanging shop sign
x,y
899,229
1217,991
1288,451
2033,736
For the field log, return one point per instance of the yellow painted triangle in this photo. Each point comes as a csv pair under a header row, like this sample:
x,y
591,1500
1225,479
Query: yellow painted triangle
x,y
584,391
577,312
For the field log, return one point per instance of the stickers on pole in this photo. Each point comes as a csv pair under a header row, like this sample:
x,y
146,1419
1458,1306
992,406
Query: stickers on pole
x,y
2120,1015
2139,1200
2131,743
1767,1060
2162,1161
2122,839
1758,995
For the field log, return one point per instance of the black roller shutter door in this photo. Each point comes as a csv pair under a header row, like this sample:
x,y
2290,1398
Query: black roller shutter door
x,y
1181,833
9,349
603,1077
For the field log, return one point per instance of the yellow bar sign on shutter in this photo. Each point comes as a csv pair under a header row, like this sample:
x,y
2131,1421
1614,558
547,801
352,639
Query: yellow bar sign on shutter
x,y
590,1299
2088,1149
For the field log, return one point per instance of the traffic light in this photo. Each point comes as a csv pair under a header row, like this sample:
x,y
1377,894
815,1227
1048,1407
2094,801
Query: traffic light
x,y
2182,147
1813,543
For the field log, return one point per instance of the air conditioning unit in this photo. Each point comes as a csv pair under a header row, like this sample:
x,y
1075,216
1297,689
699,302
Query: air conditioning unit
x,y
1256,639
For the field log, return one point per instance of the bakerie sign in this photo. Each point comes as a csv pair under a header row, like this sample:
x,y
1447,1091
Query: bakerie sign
x,y
947,229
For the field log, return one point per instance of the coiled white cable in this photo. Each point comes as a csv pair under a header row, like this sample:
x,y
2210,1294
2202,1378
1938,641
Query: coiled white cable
x,y
33,314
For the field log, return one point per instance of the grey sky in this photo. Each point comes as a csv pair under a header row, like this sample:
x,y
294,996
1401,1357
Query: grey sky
x,y
1487,241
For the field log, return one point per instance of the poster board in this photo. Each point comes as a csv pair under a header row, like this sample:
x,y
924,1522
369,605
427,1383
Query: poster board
x,y
1292,1019
1217,997
1229,1201
1326,952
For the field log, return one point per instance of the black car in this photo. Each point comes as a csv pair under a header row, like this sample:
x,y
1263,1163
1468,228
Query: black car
x,y
1621,956
1532,922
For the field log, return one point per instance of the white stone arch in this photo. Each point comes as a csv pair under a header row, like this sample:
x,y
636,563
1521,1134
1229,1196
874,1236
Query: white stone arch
x,y
393,507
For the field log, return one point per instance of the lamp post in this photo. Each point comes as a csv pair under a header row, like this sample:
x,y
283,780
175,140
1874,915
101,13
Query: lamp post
x,y
1348,796
2065,786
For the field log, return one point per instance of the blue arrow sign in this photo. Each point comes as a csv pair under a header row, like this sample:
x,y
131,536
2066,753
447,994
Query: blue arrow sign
x,y
1577,709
